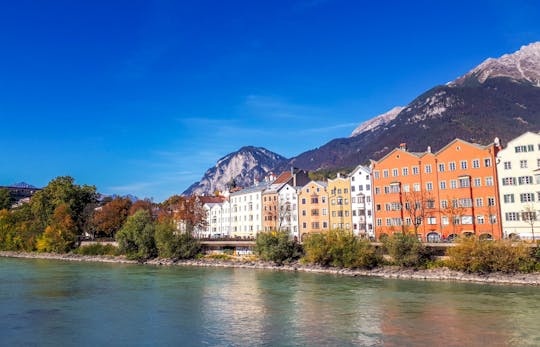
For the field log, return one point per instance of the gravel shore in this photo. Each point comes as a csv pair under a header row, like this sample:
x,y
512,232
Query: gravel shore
x,y
437,274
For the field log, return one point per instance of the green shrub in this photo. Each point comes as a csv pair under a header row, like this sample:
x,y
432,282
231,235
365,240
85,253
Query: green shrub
x,y
277,246
97,249
136,238
340,248
473,255
173,244
406,250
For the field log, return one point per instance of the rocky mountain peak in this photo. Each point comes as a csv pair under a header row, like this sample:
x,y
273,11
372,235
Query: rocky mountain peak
x,y
377,121
246,165
522,66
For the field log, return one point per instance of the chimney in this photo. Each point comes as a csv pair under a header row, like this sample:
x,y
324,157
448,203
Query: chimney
x,y
403,146
338,175
293,177
429,149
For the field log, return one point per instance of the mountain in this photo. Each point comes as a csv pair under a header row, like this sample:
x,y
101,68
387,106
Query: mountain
x,y
498,98
22,185
243,166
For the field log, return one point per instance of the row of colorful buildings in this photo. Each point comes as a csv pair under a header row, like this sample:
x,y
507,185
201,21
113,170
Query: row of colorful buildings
x,y
462,189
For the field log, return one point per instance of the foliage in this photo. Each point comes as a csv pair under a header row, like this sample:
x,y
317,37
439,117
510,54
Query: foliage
x,y
277,246
5,199
136,238
325,174
219,256
61,235
174,244
406,250
473,255
145,204
111,216
340,248
187,212
97,249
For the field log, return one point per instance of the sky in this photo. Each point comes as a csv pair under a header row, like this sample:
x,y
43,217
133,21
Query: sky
x,y
142,97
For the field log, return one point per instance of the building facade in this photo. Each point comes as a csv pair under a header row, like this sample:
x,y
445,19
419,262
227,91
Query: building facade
x,y
518,167
288,209
313,209
246,211
339,196
438,195
362,201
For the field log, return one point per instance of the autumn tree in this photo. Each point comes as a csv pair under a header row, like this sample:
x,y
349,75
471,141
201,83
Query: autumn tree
x,y
528,215
146,205
109,218
188,213
5,199
61,235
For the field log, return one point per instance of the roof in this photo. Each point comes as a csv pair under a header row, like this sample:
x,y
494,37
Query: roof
x,y
206,199
256,188
284,177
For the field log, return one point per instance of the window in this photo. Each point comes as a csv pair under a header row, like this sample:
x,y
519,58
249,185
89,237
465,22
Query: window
x,y
429,186
466,220
479,202
379,222
463,164
303,212
465,202
442,184
376,174
444,204
464,182
491,201
315,212
507,165
314,200
538,163
416,187
385,173
476,163
511,216
405,171
377,190
324,225
361,187
415,170
452,166
493,219
386,189
508,181
528,216
406,188
394,172
427,168
353,188
444,220
441,167
477,182
508,198
530,148
526,197
303,201
453,184
315,225
487,162
388,222
323,199
522,164
430,203
520,149
489,181
480,219
431,220
525,180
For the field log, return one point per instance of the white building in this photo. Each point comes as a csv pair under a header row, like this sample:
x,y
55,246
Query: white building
x,y
288,209
362,201
518,167
246,211
218,219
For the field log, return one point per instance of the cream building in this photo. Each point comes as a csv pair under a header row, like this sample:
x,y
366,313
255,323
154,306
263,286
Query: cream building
x,y
518,167
246,211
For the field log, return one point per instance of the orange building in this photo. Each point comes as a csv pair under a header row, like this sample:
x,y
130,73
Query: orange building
x,y
313,208
439,195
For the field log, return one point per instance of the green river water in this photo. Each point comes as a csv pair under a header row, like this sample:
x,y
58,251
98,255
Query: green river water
x,y
56,303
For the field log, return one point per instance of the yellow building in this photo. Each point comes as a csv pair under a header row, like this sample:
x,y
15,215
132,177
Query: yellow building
x,y
339,195
313,208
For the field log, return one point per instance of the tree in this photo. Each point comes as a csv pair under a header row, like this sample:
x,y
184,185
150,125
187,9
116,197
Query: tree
x,y
145,204
62,190
418,205
5,199
136,238
172,244
111,216
277,246
188,213
61,235
454,211
528,215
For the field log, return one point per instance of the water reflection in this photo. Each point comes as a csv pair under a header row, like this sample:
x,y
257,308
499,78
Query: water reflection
x,y
47,302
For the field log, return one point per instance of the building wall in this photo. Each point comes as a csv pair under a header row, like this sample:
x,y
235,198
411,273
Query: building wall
x,y
246,213
518,167
288,209
362,201
270,210
339,196
455,190
313,213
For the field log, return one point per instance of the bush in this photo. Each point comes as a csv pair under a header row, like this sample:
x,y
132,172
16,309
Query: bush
x,y
340,248
277,246
406,250
97,249
174,245
136,238
473,255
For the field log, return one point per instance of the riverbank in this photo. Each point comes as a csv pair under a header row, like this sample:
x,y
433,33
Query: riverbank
x,y
391,272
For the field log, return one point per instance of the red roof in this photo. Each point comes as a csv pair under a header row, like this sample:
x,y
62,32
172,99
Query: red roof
x,y
284,177
211,199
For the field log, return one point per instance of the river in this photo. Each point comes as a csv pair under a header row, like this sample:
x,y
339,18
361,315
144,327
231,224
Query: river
x,y
48,302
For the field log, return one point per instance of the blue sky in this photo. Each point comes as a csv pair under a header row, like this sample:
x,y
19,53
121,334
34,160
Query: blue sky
x,y
142,97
